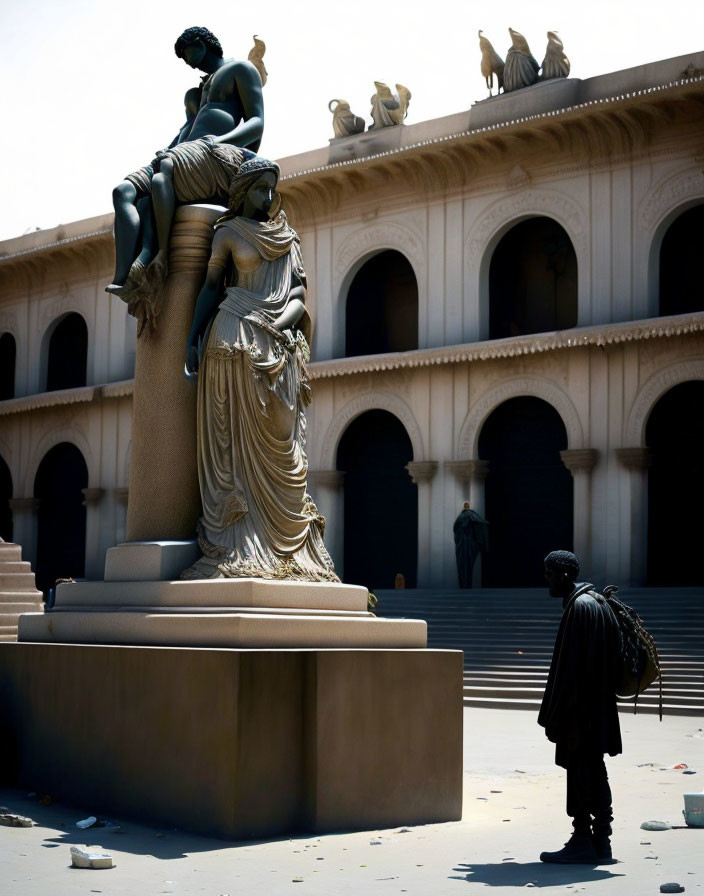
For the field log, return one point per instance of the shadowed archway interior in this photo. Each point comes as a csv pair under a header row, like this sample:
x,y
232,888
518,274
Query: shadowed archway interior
x,y
61,516
5,497
8,358
681,283
68,354
381,502
528,492
532,280
675,434
381,314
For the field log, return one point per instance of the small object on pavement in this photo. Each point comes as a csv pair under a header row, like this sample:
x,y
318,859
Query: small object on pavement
x,y
681,765
671,888
656,826
87,822
689,771
10,820
81,858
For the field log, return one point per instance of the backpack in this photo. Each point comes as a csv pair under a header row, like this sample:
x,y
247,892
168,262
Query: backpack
x,y
639,665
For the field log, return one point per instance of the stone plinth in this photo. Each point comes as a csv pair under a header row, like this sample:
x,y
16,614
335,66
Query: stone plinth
x,y
218,613
236,743
164,500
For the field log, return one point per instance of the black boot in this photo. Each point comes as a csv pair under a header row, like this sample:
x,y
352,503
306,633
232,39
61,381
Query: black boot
x,y
579,850
601,836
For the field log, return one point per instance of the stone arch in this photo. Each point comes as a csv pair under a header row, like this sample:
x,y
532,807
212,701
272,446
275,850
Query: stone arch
x,y
651,392
45,344
499,217
8,365
358,248
674,194
372,401
534,386
75,436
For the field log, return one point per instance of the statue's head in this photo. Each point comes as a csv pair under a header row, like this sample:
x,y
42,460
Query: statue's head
x,y
561,571
194,44
252,192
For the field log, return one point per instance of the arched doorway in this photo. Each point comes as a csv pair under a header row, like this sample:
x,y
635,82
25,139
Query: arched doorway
x,y
675,434
532,280
681,286
528,492
381,313
381,502
61,517
67,358
5,498
8,357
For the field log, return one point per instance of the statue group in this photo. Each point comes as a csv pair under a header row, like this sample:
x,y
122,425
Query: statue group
x,y
248,344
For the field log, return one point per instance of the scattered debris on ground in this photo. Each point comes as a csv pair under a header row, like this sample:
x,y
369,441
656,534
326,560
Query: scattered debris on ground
x,y
10,820
656,826
81,858
89,822
671,888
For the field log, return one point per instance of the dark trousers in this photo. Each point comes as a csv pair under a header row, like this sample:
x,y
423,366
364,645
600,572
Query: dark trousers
x,y
589,794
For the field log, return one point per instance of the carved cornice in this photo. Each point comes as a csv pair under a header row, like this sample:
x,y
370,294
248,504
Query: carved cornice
x,y
515,346
636,459
579,459
422,470
48,400
612,127
326,478
63,397
467,470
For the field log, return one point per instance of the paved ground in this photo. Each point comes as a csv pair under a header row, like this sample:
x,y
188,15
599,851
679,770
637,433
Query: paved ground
x,y
513,808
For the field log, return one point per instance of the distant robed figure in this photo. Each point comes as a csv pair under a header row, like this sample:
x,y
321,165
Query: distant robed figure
x,y
471,533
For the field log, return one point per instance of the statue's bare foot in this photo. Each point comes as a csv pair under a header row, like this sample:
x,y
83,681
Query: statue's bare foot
x,y
117,289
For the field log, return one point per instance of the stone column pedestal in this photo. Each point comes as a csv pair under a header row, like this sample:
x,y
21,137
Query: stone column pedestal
x,y
637,461
580,462
24,526
164,497
422,473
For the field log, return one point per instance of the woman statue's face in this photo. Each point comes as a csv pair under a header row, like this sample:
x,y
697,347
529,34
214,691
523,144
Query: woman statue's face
x,y
260,196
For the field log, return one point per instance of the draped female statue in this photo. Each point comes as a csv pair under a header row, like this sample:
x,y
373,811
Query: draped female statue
x,y
248,347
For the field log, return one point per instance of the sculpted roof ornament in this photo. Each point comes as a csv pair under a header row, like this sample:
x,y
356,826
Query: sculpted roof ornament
x,y
344,122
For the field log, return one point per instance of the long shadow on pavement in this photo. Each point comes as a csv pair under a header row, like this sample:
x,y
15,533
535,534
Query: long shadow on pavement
x,y
519,874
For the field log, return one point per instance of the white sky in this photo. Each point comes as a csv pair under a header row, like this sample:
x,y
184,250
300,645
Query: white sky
x,y
93,88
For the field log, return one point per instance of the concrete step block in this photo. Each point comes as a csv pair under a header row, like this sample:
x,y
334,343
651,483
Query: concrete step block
x,y
10,551
17,581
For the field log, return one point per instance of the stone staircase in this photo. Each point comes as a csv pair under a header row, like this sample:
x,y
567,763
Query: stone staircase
x,y
18,591
507,636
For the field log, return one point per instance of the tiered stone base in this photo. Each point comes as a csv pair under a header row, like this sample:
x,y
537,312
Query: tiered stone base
x,y
18,591
237,743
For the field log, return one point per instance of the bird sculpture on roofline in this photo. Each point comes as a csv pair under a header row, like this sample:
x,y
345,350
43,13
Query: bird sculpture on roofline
x,y
555,63
492,64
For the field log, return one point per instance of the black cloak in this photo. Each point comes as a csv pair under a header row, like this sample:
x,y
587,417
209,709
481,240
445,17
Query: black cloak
x,y
579,711
471,533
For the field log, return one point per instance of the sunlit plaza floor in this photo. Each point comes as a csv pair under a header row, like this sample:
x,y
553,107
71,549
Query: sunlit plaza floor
x,y
513,809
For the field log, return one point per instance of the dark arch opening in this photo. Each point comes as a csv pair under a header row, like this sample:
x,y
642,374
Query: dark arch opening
x,y
381,313
381,502
8,358
5,498
532,280
61,517
68,354
681,285
528,496
675,435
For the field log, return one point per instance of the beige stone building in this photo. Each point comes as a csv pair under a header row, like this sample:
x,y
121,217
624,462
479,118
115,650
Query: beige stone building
x,y
508,308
